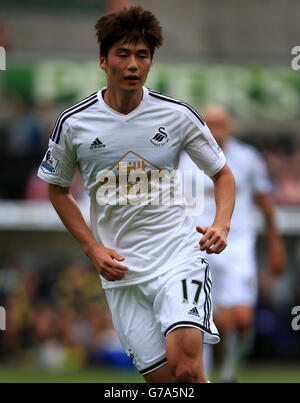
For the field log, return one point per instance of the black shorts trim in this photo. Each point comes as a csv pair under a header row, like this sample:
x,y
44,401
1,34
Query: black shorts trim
x,y
189,324
154,366
208,303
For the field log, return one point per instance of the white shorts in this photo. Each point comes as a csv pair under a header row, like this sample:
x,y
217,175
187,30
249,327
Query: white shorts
x,y
234,276
143,314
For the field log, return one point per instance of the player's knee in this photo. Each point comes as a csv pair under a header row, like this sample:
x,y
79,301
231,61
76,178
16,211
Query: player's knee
x,y
184,373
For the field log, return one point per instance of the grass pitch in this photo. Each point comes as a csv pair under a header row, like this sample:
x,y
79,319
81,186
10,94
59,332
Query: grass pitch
x,y
272,373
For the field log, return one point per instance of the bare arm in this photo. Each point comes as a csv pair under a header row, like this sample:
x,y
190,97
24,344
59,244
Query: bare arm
x,y
276,250
214,238
103,258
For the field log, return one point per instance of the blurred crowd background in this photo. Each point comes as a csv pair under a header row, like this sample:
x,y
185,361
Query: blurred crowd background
x,y
214,52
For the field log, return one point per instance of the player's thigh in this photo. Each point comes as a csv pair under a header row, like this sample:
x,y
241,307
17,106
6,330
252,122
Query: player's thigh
x,y
184,344
184,348
139,332
160,375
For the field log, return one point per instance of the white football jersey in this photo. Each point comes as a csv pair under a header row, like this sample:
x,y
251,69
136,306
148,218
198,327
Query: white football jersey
x,y
251,177
153,238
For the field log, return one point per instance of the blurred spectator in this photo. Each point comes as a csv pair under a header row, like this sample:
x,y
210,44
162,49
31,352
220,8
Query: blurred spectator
x,y
24,140
283,160
24,131
274,335
58,319
24,136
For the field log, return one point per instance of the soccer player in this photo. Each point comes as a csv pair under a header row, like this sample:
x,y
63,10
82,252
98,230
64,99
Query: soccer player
x,y
234,271
156,279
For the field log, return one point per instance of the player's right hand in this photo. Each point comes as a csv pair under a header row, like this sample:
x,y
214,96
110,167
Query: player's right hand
x,y
106,263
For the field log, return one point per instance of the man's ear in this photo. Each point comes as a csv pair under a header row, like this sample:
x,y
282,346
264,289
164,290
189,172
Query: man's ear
x,y
103,63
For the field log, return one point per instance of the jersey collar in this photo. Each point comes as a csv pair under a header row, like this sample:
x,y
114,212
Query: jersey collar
x,y
119,115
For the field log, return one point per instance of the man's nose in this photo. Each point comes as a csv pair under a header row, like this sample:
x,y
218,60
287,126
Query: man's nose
x,y
132,65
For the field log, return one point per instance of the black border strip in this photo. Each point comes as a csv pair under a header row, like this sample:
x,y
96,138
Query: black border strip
x,y
154,366
188,323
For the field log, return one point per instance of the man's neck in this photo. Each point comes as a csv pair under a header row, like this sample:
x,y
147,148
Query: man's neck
x,y
123,102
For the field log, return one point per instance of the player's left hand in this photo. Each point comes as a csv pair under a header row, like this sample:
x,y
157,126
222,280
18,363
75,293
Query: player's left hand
x,y
214,239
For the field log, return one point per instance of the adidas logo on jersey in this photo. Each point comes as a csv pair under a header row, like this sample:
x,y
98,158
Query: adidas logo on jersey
x,y
96,144
160,138
194,312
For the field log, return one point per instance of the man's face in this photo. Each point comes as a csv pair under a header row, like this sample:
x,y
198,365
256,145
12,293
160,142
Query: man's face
x,y
127,65
219,124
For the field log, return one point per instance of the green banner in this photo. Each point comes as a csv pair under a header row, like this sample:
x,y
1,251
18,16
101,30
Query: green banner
x,y
263,92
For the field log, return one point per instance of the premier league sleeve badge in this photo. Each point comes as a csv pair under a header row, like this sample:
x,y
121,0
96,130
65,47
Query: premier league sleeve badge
x,y
49,164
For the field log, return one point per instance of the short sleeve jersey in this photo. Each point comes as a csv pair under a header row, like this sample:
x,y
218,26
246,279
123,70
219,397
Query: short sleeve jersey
x,y
96,139
251,177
